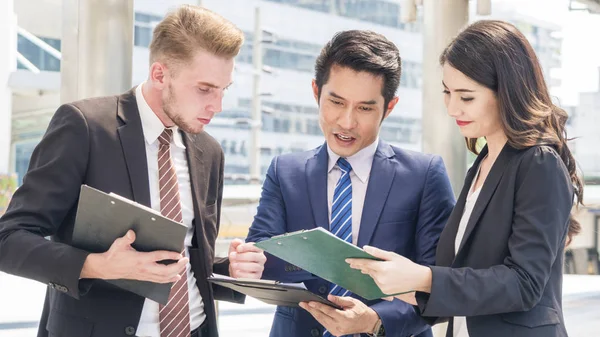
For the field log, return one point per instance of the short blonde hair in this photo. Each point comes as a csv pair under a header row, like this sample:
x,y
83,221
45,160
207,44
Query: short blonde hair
x,y
189,28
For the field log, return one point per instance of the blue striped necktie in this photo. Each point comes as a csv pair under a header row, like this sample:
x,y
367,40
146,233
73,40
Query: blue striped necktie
x,y
341,217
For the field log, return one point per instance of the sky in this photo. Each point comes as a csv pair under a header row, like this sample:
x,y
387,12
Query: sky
x,y
581,44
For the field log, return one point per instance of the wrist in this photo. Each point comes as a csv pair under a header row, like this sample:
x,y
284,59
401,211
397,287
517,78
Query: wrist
x,y
425,280
91,267
373,322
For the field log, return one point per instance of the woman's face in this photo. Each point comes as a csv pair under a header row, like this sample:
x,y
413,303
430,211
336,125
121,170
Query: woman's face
x,y
473,106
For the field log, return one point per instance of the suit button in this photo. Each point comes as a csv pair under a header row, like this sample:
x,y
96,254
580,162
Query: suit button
x,y
315,332
287,268
52,285
130,331
323,289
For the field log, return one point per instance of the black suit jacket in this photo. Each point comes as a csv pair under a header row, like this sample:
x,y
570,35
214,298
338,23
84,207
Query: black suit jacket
x,y
99,142
507,275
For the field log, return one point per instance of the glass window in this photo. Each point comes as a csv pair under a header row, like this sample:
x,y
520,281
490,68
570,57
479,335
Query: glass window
x,y
285,125
312,127
224,145
299,126
243,149
276,125
317,5
40,58
144,24
142,36
285,54
381,12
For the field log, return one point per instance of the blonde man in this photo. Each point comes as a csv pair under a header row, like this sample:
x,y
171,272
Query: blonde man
x,y
147,145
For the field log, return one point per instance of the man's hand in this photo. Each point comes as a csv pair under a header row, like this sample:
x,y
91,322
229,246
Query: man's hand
x,y
246,260
122,261
356,317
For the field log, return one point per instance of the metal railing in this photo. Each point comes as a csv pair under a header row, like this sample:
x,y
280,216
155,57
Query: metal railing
x,y
28,64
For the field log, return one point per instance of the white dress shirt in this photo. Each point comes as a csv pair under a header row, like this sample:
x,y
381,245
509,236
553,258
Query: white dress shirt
x,y
361,163
152,128
460,323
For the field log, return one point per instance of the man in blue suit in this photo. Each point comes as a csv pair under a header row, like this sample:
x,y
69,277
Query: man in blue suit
x,y
362,189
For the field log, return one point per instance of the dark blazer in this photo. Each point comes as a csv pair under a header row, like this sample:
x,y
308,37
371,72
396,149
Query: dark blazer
x,y
99,142
408,201
507,275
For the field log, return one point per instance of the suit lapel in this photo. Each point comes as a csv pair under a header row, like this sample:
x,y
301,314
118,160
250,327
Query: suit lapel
x,y
381,177
487,190
194,156
134,148
445,251
316,182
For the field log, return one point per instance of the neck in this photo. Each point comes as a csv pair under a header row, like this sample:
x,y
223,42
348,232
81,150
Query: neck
x,y
154,100
495,144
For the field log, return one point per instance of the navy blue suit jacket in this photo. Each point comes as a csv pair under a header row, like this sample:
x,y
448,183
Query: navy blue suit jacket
x,y
408,201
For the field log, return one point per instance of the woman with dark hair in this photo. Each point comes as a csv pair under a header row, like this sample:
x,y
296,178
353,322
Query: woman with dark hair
x,y
499,259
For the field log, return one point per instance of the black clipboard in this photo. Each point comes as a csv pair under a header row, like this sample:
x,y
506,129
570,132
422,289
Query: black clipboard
x,y
103,217
271,292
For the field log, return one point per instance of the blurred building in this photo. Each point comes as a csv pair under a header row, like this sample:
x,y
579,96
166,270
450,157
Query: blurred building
x,y
296,30
290,119
584,130
544,36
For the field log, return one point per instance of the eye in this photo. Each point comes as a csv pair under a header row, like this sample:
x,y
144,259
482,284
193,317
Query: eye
x,y
335,102
446,92
365,108
466,99
204,89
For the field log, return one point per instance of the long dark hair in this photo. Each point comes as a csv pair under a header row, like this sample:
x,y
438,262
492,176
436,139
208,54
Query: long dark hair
x,y
498,56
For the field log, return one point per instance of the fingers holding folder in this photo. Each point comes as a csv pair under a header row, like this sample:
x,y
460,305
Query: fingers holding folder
x,y
393,274
354,316
122,261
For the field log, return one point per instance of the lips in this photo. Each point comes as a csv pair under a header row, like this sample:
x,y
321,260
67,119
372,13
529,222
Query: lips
x,y
344,140
344,137
462,123
204,121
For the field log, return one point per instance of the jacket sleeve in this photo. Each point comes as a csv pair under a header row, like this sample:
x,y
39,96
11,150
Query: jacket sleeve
x,y
49,192
270,220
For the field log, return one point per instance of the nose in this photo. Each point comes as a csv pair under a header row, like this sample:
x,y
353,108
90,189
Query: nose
x,y
216,102
453,107
347,119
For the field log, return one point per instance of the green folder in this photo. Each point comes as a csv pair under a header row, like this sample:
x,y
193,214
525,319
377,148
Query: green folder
x,y
321,253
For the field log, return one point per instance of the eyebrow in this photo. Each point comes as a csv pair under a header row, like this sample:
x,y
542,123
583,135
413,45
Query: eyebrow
x,y
214,85
371,102
458,90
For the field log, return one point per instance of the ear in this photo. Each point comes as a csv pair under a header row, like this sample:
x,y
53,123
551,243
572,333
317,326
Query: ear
x,y
158,75
315,89
391,106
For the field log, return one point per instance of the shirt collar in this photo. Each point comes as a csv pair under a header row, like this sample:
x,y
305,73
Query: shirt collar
x,y
361,162
151,124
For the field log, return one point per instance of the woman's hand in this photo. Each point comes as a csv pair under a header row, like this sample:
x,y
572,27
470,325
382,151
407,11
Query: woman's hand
x,y
395,274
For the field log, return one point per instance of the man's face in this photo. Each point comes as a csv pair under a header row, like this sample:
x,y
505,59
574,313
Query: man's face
x,y
351,109
193,94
